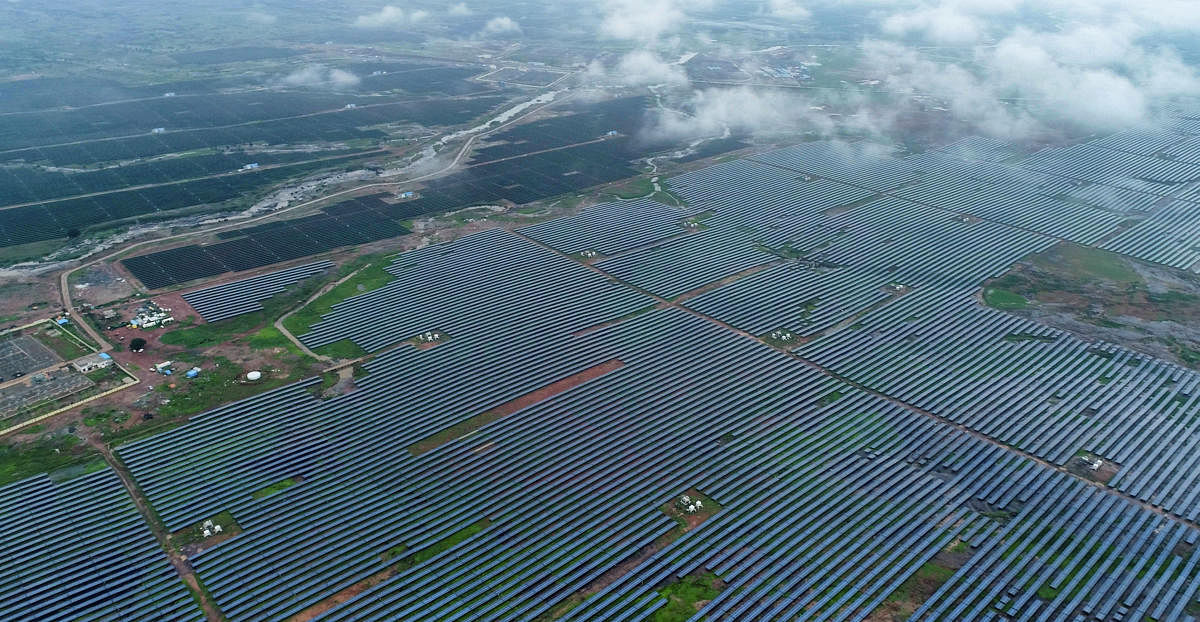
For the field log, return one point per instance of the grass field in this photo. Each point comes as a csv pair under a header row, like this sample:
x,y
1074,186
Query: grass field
x,y
63,342
62,455
1003,299
1081,263
685,596
208,335
221,382
275,488
371,276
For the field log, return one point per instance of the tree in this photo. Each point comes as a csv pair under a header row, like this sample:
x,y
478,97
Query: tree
x,y
137,345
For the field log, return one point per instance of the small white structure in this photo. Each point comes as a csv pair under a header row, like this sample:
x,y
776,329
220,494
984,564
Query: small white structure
x,y
429,336
782,335
254,375
92,362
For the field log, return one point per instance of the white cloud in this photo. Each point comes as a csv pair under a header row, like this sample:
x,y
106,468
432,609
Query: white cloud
x,y
390,17
1095,72
941,24
787,9
637,68
501,25
261,18
721,112
645,20
460,10
319,76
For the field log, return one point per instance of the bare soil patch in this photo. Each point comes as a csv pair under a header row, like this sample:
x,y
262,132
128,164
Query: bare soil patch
x,y
503,410
100,284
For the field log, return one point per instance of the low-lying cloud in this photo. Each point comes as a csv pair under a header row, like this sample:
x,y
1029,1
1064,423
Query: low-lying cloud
x,y
787,9
501,25
390,17
322,77
1026,69
261,18
645,21
637,68
720,112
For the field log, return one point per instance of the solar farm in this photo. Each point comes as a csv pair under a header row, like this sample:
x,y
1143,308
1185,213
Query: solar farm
x,y
64,172
786,390
243,296
353,221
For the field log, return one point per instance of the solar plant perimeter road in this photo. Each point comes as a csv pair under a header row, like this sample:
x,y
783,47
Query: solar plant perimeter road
x,y
525,461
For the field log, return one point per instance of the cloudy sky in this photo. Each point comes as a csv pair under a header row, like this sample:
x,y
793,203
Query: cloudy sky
x,y
1018,65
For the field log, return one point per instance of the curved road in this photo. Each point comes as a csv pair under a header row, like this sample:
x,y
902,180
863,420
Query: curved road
x,y
64,277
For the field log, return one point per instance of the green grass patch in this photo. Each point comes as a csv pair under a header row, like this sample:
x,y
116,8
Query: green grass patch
x,y
328,380
455,431
207,335
61,342
270,338
1047,593
94,418
341,349
54,454
633,189
1001,516
1086,263
121,436
916,589
104,373
78,470
33,251
685,596
1003,299
1019,337
830,398
372,276
276,488
441,546
221,383
393,553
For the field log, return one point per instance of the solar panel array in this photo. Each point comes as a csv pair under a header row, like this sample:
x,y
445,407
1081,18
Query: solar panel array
x,y
860,164
566,405
79,550
354,221
692,405
609,228
246,295
981,148
1171,236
